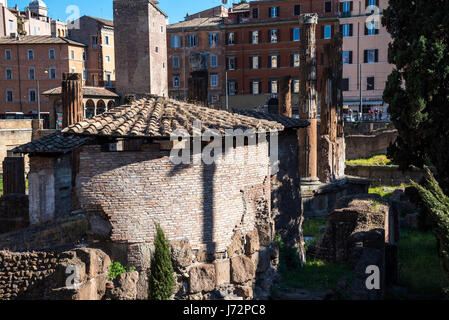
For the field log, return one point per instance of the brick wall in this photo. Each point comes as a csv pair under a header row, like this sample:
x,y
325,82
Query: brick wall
x,y
202,204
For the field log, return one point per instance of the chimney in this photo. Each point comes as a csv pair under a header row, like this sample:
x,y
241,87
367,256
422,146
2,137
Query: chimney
x,y
72,99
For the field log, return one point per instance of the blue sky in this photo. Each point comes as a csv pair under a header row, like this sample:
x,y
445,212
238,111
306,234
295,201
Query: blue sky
x,y
176,9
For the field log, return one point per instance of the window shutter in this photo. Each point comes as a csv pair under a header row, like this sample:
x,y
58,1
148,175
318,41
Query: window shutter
x,y
269,12
251,87
377,3
279,35
292,60
365,53
250,37
278,11
351,29
250,62
351,6
291,34
236,87
279,61
366,30
350,57
377,55
269,36
235,38
260,61
366,3
235,63
269,61
322,31
341,7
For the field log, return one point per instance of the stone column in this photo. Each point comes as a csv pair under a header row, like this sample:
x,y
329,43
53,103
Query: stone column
x,y
285,96
72,99
14,175
308,106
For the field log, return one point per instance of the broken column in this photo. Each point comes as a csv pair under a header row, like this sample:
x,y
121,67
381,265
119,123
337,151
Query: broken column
x,y
308,105
285,96
72,99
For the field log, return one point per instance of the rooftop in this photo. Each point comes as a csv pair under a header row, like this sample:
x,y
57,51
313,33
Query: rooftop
x,y
53,143
87,92
197,22
156,117
40,40
106,22
287,122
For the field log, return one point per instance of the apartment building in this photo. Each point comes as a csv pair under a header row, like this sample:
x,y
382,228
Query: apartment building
x,y
30,65
255,45
98,35
365,55
8,21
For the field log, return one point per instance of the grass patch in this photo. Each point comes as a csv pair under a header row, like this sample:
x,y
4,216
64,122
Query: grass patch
x,y
312,227
378,160
316,275
420,268
386,191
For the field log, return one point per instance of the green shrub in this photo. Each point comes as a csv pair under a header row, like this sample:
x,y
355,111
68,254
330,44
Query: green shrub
x,y
437,204
115,269
161,281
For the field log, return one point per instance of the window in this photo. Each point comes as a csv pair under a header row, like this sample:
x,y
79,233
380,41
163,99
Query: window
x,y
73,70
32,95
231,63
72,54
156,49
11,26
213,80
328,6
345,84
255,37
255,87
347,57
274,86
274,12
106,40
372,3
94,41
108,59
7,54
84,56
296,60
255,13
232,88
8,74
371,56
296,34
51,54
52,73
176,62
213,61
192,40
31,74
274,36
176,81
9,97
296,86
274,62
255,62
370,84
297,9
213,39
346,8
30,54
347,30
371,29
231,38
108,80
175,41
84,74
327,32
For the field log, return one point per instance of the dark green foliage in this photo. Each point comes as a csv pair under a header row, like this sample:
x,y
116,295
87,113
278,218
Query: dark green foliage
x,y
418,88
161,281
289,257
437,203
116,269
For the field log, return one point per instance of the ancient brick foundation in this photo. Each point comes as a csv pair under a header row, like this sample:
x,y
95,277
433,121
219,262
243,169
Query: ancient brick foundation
x,y
13,212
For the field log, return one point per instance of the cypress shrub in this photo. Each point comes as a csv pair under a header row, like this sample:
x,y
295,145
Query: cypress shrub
x,y
437,203
161,281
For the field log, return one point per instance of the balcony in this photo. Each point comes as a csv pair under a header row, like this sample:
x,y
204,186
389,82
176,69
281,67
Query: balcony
x,y
345,14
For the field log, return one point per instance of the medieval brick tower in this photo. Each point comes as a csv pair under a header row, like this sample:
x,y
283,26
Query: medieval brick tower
x,y
140,47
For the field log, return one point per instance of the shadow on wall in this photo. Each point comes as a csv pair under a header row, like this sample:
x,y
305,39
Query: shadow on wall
x,y
365,146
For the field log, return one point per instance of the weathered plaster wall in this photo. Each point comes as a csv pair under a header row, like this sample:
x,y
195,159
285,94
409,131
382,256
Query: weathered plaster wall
x,y
365,146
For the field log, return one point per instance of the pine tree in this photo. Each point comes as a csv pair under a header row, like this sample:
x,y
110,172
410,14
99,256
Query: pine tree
x,y
437,203
161,281
418,88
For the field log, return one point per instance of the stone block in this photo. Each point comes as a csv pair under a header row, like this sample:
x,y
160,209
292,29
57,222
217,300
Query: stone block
x,y
182,254
236,245
252,244
202,278
222,272
242,269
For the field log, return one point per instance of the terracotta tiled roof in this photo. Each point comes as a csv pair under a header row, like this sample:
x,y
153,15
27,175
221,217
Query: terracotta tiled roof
x,y
159,117
197,23
287,122
53,143
40,40
106,22
87,92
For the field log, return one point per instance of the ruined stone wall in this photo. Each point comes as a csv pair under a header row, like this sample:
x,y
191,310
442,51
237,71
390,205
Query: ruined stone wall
x,y
365,146
13,212
14,133
386,175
